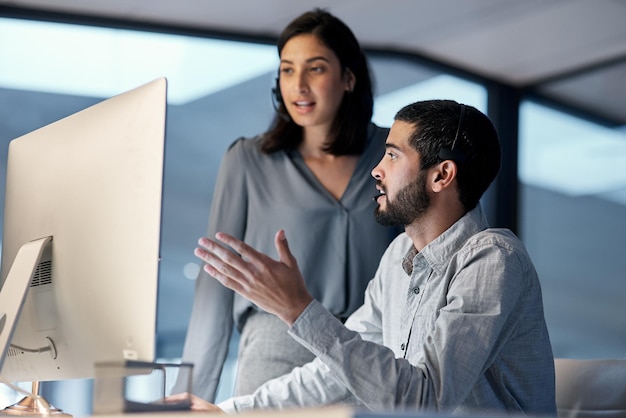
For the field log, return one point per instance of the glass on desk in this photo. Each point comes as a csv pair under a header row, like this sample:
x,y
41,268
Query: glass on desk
x,y
134,386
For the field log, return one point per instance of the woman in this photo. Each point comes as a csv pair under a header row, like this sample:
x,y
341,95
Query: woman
x,y
309,175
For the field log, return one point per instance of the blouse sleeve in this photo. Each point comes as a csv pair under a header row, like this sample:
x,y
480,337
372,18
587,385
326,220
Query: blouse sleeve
x,y
211,322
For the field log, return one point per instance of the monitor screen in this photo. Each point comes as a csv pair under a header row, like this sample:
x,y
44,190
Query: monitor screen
x,y
91,185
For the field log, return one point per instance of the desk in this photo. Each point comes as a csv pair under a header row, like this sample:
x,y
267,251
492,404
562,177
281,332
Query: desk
x,y
325,412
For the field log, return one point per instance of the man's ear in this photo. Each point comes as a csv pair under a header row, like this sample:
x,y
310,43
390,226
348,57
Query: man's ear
x,y
443,175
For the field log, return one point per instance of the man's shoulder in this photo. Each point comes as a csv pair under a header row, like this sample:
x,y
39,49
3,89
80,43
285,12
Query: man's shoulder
x,y
497,236
500,240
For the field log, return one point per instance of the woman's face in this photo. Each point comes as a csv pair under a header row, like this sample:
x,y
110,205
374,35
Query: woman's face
x,y
312,83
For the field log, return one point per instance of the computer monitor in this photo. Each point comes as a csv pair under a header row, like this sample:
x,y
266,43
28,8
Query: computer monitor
x,y
87,192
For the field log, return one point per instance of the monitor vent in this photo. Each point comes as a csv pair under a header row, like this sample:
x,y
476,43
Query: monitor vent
x,y
43,274
12,352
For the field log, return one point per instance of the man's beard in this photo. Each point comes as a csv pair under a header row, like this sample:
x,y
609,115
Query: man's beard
x,y
410,203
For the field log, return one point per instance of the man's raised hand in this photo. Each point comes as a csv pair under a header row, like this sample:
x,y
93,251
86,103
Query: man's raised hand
x,y
276,286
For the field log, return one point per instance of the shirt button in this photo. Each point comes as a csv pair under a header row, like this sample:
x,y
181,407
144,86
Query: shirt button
x,y
402,346
416,290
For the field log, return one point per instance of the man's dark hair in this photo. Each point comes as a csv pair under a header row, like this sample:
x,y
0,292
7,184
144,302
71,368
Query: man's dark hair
x,y
349,130
438,123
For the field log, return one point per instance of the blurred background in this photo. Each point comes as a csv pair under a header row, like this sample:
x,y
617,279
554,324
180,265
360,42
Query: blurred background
x,y
551,75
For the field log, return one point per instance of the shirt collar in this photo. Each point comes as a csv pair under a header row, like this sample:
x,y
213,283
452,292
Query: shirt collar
x,y
439,252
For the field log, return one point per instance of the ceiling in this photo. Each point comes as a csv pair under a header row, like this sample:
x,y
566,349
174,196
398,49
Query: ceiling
x,y
569,52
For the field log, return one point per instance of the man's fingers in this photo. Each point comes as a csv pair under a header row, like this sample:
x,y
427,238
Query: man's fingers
x,y
274,285
236,284
282,246
243,249
222,264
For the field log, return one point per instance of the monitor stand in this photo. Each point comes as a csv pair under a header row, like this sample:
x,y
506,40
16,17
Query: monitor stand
x,y
12,296
33,406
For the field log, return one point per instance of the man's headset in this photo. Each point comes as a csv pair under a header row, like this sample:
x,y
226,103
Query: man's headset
x,y
455,155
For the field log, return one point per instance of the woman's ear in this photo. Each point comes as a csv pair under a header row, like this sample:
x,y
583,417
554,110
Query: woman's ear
x,y
444,174
350,80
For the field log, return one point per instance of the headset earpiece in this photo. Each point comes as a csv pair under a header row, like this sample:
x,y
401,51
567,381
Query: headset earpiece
x,y
453,153
278,97
277,101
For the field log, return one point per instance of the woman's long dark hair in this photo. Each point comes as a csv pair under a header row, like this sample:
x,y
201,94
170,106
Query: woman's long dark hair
x,y
349,129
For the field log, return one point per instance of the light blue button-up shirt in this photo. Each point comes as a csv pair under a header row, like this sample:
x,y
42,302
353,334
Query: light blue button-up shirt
x,y
458,327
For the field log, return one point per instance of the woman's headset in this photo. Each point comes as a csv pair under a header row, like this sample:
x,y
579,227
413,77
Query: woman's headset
x,y
277,100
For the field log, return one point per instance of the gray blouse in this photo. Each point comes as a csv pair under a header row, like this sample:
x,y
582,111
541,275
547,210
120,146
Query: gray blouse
x,y
337,243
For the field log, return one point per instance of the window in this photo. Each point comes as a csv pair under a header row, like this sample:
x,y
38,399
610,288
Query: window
x,y
572,220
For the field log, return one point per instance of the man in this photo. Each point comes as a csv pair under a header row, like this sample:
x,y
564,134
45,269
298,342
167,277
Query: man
x,y
453,319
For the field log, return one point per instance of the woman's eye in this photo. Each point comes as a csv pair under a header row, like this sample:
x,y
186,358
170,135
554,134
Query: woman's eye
x,y
391,155
317,69
286,70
